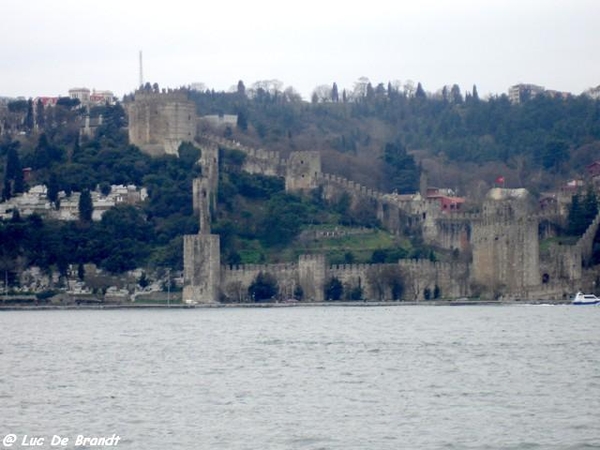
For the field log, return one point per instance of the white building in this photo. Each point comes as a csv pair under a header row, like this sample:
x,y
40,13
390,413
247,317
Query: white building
x,y
36,202
522,92
81,94
94,97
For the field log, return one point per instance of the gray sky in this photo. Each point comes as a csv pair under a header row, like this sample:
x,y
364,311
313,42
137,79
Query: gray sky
x,y
51,46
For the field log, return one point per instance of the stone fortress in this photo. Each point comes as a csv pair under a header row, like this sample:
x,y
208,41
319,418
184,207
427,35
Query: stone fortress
x,y
160,121
498,248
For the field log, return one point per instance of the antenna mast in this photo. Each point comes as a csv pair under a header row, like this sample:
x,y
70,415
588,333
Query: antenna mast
x,y
141,71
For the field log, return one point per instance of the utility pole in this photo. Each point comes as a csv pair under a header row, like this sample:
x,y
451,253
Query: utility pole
x,y
168,288
141,71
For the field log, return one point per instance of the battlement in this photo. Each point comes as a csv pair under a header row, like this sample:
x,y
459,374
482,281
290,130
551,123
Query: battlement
x,y
235,145
350,185
311,257
422,264
160,121
166,95
256,268
356,268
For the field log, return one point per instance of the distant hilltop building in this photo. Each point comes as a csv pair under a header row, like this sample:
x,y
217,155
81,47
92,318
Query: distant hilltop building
x,y
90,98
522,92
46,101
160,121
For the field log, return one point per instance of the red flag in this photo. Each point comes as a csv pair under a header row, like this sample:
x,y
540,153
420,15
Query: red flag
x,y
500,180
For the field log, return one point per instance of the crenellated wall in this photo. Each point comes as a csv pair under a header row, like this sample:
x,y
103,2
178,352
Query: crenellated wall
x,y
452,279
503,240
406,280
235,280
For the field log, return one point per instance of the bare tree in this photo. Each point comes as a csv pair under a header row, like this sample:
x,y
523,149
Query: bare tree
x,y
360,88
322,93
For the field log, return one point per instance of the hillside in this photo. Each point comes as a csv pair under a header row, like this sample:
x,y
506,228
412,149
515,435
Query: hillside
x,y
461,141
384,139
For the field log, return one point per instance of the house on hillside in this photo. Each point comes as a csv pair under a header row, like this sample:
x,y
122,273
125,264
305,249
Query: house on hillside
x,y
593,171
447,199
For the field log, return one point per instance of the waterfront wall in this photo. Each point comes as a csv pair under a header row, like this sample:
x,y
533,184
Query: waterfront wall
x,y
409,280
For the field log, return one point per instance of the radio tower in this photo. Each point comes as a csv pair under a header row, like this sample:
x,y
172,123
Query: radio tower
x,y
141,72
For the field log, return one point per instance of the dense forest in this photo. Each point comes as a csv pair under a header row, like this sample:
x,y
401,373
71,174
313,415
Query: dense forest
x,y
461,140
382,136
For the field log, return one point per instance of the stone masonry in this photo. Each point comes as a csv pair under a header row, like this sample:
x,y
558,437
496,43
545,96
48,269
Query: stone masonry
x,y
503,238
160,122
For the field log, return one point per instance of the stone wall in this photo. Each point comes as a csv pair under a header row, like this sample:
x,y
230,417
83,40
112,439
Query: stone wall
x,y
503,241
407,280
302,172
235,280
453,232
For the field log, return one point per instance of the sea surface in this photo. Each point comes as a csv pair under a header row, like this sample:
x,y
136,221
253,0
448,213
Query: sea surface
x,y
397,377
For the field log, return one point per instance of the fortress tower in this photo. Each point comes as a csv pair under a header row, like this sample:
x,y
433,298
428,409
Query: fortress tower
x,y
312,276
505,242
302,171
201,252
160,121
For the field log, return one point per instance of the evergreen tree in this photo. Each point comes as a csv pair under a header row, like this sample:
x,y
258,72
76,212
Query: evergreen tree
x,y
334,289
455,94
445,93
554,153
29,117
241,89
13,163
52,189
86,207
370,94
264,287
19,183
81,272
13,173
7,190
334,93
402,171
582,212
41,156
39,114
420,93
242,120
475,95
590,206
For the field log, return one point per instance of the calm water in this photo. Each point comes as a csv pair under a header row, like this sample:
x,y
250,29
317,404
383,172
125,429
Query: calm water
x,y
511,377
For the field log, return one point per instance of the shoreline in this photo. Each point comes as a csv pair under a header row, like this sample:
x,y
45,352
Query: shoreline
x,y
356,304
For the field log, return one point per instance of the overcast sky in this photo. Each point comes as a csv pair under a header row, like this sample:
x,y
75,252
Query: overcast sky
x,y
51,46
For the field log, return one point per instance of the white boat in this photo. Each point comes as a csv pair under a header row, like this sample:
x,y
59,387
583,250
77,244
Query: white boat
x,y
585,299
